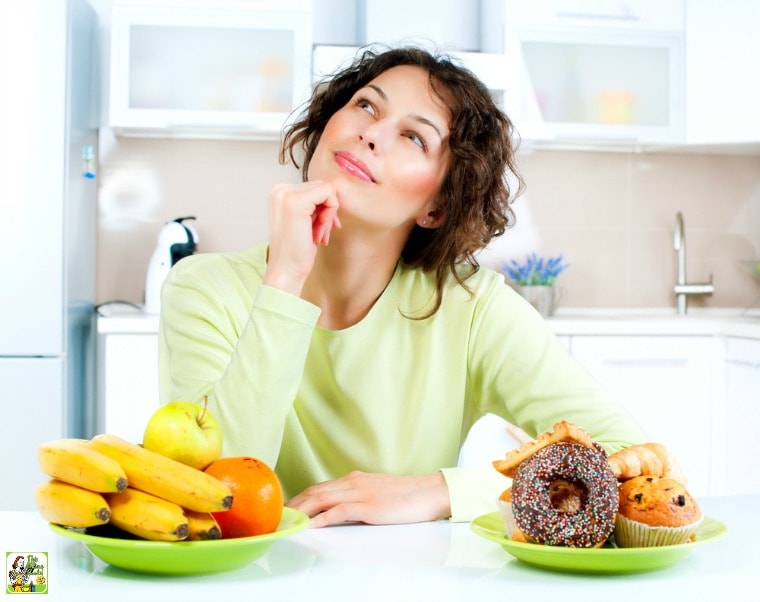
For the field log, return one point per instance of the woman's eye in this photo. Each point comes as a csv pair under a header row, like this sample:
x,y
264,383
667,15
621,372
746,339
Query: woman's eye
x,y
366,105
417,139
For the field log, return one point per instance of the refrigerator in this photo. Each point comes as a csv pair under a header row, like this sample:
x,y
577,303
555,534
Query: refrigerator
x,y
48,138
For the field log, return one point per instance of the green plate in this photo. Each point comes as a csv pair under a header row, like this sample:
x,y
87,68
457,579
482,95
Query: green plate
x,y
186,557
596,560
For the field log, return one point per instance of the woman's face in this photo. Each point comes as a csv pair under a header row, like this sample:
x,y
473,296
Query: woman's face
x,y
386,151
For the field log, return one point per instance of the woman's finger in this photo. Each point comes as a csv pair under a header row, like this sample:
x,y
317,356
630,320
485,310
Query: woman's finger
x,y
324,218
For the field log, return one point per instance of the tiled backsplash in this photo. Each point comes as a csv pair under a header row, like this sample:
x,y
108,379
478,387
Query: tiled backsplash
x,y
612,214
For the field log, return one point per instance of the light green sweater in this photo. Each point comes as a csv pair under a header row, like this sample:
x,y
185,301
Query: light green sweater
x,y
390,394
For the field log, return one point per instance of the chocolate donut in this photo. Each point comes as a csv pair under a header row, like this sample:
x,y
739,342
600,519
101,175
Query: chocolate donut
x,y
573,471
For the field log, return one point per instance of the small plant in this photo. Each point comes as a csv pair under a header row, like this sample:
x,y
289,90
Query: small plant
x,y
535,271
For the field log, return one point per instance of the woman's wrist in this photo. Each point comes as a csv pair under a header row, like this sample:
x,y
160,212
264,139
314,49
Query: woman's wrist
x,y
284,282
439,496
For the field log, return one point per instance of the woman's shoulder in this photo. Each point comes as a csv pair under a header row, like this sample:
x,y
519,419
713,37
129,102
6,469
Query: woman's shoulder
x,y
486,286
474,276
244,264
475,287
480,280
486,277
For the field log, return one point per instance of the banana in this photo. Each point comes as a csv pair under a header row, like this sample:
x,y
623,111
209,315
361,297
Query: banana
x,y
75,462
202,525
70,505
164,477
147,516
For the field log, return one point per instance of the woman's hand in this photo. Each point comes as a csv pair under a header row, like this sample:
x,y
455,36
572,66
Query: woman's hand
x,y
375,499
301,216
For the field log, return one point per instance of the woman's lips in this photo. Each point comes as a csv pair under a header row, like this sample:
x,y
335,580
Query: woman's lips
x,y
349,163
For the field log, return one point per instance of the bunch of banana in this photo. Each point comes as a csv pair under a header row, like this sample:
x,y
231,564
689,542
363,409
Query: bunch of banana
x,y
80,475
107,479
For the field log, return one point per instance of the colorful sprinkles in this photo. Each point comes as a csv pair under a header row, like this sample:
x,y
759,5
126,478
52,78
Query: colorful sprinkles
x,y
584,468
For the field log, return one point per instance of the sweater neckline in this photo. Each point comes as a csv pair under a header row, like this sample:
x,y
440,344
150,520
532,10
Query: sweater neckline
x,y
378,307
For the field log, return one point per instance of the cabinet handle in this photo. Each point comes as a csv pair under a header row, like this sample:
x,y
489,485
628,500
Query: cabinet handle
x,y
652,361
601,136
209,127
599,16
748,363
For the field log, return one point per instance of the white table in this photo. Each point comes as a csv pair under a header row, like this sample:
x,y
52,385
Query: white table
x,y
439,561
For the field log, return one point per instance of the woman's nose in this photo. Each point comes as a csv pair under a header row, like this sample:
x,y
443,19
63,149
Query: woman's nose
x,y
368,141
377,134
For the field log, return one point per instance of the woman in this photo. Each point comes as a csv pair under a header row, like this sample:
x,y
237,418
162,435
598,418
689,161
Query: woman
x,y
356,349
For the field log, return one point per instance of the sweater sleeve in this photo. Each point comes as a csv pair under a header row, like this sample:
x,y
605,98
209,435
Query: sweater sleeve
x,y
473,490
243,345
519,370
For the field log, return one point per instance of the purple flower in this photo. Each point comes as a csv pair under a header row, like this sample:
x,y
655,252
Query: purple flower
x,y
535,270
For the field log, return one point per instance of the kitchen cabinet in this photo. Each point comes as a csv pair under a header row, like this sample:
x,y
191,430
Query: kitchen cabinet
x,y
48,125
737,423
210,69
667,383
127,375
722,47
607,73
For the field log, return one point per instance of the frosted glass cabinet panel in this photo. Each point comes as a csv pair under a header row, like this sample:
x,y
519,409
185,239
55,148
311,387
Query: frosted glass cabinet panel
x,y
594,72
594,88
205,69
220,71
605,85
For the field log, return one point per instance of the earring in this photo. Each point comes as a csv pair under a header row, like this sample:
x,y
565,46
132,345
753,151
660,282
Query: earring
x,y
424,222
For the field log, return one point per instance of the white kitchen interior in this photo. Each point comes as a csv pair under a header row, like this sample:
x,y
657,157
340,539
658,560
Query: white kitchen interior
x,y
675,130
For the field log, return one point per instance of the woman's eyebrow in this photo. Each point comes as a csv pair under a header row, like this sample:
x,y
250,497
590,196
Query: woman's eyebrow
x,y
419,118
380,92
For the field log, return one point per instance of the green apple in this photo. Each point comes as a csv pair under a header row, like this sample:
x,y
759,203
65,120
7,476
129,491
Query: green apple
x,y
186,432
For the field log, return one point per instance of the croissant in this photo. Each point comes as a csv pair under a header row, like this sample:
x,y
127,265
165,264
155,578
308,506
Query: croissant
x,y
651,459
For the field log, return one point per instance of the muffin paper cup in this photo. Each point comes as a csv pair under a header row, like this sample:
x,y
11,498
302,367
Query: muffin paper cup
x,y
633,534
508,516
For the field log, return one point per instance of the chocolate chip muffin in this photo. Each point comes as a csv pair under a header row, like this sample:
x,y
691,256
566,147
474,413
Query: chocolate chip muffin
x,y
655,511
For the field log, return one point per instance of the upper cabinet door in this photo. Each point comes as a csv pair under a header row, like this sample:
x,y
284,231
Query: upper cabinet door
x,y
222,70
593,73
722,86
608,87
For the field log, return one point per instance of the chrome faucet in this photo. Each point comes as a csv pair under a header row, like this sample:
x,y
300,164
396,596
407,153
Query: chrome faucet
x,y
682,289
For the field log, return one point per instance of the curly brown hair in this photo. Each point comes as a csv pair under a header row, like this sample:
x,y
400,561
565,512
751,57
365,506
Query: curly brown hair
x,y
475,195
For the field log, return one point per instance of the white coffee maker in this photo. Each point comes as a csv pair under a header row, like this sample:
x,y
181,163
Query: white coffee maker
x,y
175,241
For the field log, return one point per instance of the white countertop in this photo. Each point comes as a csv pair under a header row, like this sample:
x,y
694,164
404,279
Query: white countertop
x,y
657,321
125,319
439,561
120,318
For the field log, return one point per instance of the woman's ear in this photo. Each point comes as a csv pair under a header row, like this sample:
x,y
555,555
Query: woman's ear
x,y
432,219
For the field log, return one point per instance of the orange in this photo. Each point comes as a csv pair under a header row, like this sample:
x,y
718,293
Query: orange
x,y
257,498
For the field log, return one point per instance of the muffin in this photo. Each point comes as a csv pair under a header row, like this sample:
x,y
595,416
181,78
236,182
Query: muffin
x,y
508,516
655,511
